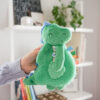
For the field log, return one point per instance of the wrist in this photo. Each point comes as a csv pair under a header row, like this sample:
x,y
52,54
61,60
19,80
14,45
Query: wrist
x,y
23,66
26,66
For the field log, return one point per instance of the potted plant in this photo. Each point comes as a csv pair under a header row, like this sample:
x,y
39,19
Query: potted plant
x,y
61,13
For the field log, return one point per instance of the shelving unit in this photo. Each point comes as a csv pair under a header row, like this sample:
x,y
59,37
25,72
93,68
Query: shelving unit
x,y
33,30
80,95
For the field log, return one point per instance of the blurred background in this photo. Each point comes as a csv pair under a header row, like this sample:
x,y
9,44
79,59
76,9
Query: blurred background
x,y
90,11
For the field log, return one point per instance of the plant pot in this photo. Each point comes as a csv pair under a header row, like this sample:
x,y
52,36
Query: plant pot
x,y
26,20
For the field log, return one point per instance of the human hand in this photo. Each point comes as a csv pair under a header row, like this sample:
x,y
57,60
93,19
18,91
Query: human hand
x,y
28,62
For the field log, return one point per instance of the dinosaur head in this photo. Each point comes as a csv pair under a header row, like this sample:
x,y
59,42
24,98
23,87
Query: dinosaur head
x,y
54,34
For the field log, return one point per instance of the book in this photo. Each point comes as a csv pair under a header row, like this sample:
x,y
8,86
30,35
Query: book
x,y
33,95
24,95
18,92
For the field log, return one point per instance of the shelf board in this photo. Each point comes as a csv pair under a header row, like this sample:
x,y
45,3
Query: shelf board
x,y
25,27
85,64
77,95
38,28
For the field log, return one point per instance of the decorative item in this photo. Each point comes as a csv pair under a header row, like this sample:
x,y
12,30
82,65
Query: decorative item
x,y
56,66
67,15
51,96
37,18
21,7
27,20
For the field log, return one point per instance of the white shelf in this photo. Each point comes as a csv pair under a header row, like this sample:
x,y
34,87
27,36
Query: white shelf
x,y
76,95
27,28
38,28
84,30
85,64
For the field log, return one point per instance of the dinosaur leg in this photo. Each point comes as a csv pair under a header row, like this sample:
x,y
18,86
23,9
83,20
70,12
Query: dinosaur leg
x,y
28,81
60,87
50,87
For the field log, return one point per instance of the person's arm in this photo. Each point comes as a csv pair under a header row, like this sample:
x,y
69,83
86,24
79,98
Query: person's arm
x,y
10,72
19,68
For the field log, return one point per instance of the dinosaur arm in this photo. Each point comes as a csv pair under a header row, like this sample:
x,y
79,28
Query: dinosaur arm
x,y
59,59
56,68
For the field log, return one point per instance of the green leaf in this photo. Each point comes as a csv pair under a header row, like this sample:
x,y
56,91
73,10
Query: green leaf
x,y
59,14
73,3
52,21
55,11
73,25
69,6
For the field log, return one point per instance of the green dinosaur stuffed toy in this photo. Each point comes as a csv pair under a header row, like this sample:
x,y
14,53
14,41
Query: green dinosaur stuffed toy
x,y
56,67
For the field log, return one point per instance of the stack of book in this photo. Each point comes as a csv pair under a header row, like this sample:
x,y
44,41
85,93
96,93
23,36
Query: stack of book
x,y
24,92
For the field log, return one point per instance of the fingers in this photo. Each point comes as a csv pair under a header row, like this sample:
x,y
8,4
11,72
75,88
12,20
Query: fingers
x,y
32,67
38,48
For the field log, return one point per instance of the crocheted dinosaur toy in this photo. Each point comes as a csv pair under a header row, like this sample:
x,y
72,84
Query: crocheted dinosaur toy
x,y
56,67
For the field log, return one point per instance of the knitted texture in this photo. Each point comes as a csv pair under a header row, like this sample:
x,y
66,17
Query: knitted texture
x,y
56,67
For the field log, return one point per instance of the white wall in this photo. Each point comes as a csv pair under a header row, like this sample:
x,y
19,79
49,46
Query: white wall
x,y
4,46
3,13
99,56
91,12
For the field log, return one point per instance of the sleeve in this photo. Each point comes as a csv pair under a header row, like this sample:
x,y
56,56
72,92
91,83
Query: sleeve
x,y
11,72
